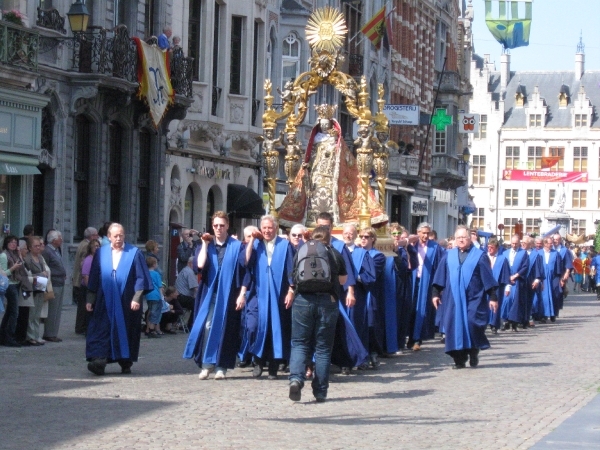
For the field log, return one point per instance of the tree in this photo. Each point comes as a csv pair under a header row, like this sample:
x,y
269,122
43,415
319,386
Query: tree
x,y
597,239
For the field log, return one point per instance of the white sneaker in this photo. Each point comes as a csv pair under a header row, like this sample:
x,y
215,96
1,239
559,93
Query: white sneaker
x,y
204,374
220,375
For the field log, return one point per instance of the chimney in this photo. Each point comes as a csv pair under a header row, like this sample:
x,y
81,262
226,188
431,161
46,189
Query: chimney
x,y
579,65
504,70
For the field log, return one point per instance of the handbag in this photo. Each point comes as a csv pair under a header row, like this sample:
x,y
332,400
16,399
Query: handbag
x,y
49,292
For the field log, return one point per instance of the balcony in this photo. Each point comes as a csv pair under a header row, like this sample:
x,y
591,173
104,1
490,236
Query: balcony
x,y
19,46
404,167
51,20
450,83
182,68
448,172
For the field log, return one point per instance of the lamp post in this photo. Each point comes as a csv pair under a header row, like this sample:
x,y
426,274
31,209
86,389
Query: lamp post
x,y
78,17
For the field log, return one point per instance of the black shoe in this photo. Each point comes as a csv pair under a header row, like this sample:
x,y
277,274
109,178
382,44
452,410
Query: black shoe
x,y
374,361
97,366
243,364
459,366
295,391
494,330
320,399
506,326
282,367
474,358
553,319
257,370
11,343
514,327
126,367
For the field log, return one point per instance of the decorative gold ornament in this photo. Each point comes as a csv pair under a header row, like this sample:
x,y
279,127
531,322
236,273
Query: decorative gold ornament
x,y
326,111
326,29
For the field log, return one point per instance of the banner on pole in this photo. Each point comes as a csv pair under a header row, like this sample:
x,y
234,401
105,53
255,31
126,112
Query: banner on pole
x,y
542,175
402,114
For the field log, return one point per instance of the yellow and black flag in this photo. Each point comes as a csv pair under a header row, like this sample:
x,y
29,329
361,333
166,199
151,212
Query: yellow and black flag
x,y
374,29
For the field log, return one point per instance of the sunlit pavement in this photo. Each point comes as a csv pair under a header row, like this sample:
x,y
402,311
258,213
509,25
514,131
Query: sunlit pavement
x,y
526,386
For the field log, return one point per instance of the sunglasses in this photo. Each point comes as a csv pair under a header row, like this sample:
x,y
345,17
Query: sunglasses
x,y
396,233
366,236
295,235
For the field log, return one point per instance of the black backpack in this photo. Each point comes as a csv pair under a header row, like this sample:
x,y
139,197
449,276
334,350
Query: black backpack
x,y
312,272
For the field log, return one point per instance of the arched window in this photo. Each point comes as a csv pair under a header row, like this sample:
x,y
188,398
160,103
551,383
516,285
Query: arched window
x,y
144,186
290,55
188,209
81,175
210,210
114,170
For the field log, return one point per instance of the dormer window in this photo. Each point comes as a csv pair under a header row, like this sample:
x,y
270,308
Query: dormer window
x,y
520,100
535,120
562,100
580,120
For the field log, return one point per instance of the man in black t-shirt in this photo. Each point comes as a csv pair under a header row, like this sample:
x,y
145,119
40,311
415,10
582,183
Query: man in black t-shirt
x,y
314,318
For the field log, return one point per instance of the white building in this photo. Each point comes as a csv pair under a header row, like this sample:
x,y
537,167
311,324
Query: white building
x,y
534,126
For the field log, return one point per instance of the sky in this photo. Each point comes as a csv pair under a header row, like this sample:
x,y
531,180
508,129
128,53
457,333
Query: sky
x,y
555,30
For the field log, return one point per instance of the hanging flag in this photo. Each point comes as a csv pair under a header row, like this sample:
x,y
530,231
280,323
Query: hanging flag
x,y
549,161
511,32
374,29
388,34
154,78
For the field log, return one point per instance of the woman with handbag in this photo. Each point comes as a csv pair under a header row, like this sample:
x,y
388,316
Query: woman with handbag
x,y
11,265
37,267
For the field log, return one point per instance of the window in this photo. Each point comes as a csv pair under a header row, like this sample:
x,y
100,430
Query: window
x,y
477,219
578,227
440,142
255,62
535,120
269,59
580,159
579,199
114,170
511,197
144,186
44,4
478,168
216,90
235,68
149,8
580,120
353,16
119,7
551,195
440,45
534,158
534,197
509,229
512,157
81,175
557,152
483,126
532,226
290,51
194,36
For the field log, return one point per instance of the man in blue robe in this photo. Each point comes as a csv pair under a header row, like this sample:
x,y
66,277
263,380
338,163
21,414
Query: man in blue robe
x,y
501,272
422,323
466,279
118,278
535,277
215,337
270,259
514,307
398,289
567,266
546,306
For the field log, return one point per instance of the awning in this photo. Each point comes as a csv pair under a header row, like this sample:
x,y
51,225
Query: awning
x,y
18,165
243,202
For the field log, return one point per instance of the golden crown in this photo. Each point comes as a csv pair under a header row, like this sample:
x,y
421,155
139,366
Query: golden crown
x,y
326,111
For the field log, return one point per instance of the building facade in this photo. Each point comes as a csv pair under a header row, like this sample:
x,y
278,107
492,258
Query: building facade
x,y
536,126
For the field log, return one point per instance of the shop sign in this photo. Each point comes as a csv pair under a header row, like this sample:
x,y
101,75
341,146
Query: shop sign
x,y
419,206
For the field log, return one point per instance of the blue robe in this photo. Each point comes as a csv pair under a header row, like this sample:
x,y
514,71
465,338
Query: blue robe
x,y
553,272
348,350
536,271
466,302
501,272
359,313
114,329
274,330
567,264
376,305
595,263
423,310
514,307
224,282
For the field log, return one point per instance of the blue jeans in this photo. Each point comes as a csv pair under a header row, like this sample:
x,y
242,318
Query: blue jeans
x,y
314,317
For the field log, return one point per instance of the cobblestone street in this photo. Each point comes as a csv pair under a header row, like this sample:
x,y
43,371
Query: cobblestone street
x,y
526,386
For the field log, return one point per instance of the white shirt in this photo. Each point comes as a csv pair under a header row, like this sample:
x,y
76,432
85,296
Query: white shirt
x,y
422,253
270,246
116,257
511,257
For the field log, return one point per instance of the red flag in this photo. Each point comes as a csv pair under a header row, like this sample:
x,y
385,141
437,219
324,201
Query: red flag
x,y
374,29
388,36
549,161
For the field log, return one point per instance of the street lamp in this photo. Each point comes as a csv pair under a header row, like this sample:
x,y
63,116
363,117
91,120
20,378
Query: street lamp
x,y
466,155
78,17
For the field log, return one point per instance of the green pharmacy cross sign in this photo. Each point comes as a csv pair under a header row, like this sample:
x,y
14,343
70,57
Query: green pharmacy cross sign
x,y
441,119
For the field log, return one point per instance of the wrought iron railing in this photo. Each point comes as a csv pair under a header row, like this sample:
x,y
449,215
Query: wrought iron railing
x,y
51,19
355,64
18,46
216,96
255,108
182,68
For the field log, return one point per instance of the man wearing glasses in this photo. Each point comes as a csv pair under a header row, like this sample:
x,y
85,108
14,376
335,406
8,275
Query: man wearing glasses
x,y
296,236
186,249
465,278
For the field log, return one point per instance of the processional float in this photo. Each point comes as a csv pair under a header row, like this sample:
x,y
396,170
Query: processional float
x,y
325,31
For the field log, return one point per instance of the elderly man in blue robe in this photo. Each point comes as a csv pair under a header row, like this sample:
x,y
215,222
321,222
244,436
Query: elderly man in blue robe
x,y
567,266
215,337
429,254
118,278
535,277
546,306
501,272
465,277
514,307
270,258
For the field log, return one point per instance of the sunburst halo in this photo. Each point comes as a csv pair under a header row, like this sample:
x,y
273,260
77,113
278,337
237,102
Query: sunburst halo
x,y
326,29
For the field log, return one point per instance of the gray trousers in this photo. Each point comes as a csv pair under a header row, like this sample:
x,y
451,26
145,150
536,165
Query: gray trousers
x,y
52,322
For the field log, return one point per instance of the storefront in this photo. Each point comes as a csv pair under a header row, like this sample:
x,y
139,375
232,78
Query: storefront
x,y
20,137
419,211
